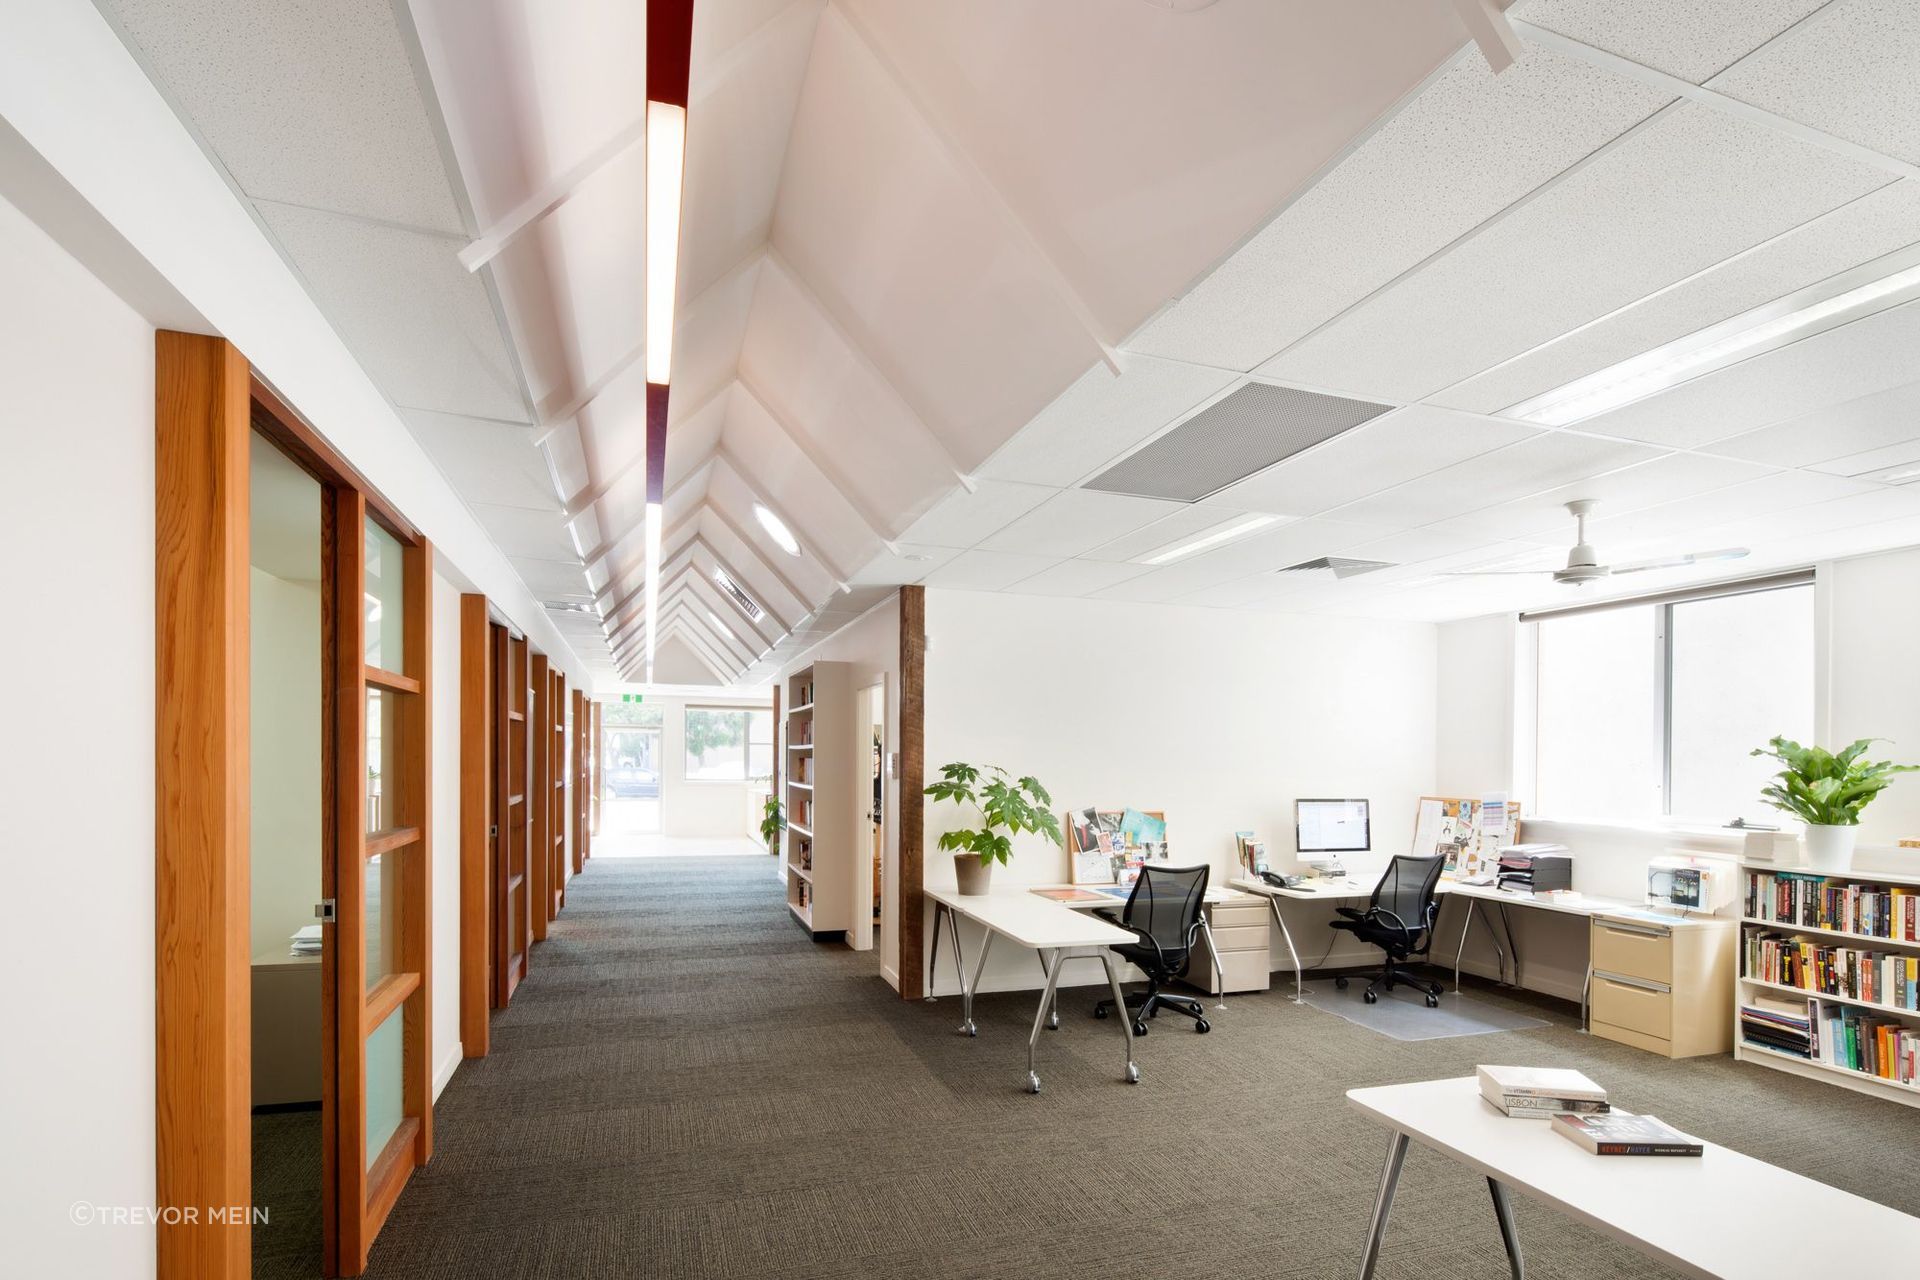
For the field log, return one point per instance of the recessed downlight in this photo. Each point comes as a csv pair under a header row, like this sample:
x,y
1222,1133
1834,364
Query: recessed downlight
x,y
777,530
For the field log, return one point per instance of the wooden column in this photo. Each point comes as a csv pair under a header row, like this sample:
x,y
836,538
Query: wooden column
x,y
913,768
202,982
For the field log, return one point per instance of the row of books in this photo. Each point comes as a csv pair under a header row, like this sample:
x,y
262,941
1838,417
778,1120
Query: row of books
x,y
1579,1112
1785,1026
803,695
1880,911
1250,851
805,895
1882,977
1835,1034
802,770
800,813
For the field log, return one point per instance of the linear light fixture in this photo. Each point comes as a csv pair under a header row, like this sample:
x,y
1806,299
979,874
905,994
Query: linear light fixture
x,y
1227,533
777,529
669,56
725,630
1798,315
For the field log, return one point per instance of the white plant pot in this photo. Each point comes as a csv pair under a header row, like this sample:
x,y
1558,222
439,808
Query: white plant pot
x,y
1830,848
971,874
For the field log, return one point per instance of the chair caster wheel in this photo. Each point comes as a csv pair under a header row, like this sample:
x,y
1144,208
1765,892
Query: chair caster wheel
x,y
1099,1011
1202,1026
1053,1021
969,1027
1139,1027
1371,997
1033,1083
1340,984
1133,1074
1433,1001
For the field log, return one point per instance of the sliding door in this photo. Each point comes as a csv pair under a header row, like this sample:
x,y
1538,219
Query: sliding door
x,y
555,725
381,635
512,881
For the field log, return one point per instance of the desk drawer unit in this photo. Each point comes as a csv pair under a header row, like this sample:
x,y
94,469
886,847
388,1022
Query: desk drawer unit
x,y
1240,933
1665,988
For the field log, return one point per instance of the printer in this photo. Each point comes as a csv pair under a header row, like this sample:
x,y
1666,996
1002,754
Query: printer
x,y
1535,868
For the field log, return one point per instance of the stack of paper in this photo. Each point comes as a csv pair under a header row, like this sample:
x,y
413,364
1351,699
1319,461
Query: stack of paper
x,y
306,941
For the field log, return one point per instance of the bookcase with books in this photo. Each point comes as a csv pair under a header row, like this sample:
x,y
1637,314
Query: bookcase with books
x,y
1829,979
821,796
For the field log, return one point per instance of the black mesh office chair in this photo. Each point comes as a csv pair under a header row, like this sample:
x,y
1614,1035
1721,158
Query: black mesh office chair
x,y
1163,911
1398,920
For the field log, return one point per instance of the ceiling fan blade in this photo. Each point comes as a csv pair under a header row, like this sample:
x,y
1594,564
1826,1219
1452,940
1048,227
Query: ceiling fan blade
x,y
1496,573
1679,562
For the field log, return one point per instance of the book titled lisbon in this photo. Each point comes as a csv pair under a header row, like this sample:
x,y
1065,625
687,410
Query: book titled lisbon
x,y
1621,1133
1539,1092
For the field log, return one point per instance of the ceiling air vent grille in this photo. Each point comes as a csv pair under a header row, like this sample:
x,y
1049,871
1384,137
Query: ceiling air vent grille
x,y
1235,436
1340,566
741,598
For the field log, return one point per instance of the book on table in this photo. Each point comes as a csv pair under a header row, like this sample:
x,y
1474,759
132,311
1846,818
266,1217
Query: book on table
x,y
1538,1082
1621,1133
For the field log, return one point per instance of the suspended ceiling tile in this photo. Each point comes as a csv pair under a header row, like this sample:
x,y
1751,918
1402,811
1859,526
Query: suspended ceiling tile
x,y
1691,39
1665,479
485,461
1077,578
537,535
924,274
1837,431
1830,368
1284,545
1779,491
310,102
420,324
986,570
555,580
962,518
1171,582
910,563
1541,463
1469,145
1848,73
1789,526
1075,521
1875,224
1690,189
1902,457
1185,522
1100,417
1392,449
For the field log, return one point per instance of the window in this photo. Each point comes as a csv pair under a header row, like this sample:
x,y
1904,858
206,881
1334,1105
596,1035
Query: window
x,y
728,744
1650,710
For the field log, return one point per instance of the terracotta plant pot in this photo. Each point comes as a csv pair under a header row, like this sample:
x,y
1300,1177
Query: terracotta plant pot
x,y
972,873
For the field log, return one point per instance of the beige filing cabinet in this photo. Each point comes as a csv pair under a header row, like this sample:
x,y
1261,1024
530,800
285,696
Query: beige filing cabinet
x,y
1239,925
286,1029
1665,986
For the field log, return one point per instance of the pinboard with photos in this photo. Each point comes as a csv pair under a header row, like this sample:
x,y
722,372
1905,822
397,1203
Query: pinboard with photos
x,y
1109,846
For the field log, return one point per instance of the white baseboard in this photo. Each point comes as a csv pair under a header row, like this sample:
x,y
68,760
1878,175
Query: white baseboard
x,y
448,1065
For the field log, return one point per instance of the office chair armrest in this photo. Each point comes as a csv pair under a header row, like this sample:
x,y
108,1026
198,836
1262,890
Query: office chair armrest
x,y
1383,916
1351,913
1106,913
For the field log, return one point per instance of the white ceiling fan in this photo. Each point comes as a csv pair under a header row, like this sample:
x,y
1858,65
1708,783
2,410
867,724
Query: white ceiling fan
x,y
1583,563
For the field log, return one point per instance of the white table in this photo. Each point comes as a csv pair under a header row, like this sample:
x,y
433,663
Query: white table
x,y
1214,894
1057,933
1721,1215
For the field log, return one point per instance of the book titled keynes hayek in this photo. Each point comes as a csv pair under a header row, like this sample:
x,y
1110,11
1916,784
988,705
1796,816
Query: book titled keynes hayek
x,y
1621,1133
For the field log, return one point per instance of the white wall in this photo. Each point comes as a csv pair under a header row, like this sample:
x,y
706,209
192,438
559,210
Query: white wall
x,y
1221,720
76,761
444,998
285,742
871,645
695,806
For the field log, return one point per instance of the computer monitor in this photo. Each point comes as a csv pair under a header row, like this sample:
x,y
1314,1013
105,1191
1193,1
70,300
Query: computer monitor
x,y
1332,826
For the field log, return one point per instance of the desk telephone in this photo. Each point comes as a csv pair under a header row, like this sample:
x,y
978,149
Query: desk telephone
x,y
1282,882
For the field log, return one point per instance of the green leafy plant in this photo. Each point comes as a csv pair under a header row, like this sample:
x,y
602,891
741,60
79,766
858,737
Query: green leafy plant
x,y
1822,788
1007,806
773,820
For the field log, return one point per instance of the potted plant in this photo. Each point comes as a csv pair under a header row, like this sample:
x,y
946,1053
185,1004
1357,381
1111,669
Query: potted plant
x,y
1007,806
773,820
1827,792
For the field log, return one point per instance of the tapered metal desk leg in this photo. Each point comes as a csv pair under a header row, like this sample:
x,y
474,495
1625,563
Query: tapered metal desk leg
x,y
1299,979
1219,974
1053,1014
1383,1204
1466,923
967,989
1051,962
933,952
1508,1235
1120,1003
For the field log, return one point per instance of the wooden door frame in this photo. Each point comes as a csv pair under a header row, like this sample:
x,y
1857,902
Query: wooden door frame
x,y
912,806
476,773
539,792
207,405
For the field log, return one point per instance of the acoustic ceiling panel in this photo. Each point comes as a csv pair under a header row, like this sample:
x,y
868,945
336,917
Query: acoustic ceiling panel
x,y
1239,434
1691,39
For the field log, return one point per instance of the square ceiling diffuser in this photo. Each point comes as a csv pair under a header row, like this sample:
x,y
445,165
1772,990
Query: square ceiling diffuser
x,y
1235,436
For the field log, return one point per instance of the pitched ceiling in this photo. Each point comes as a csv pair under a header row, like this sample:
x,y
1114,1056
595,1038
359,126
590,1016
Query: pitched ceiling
x,y
943,264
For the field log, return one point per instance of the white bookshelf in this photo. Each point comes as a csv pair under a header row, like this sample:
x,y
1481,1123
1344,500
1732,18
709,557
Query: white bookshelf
x,y
1895,878
820,797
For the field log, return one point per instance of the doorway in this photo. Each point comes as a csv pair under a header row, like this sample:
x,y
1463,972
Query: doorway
x,y
632,771
870,705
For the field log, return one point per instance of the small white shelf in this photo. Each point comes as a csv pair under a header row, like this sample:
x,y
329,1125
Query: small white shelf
x,y
804,786
805,706
794,826
799,746
1875,1005
800,871
1830,933
804,913
1764,1054
1906,878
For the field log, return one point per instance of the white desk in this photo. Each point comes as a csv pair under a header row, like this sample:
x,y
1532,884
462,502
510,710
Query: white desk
x,y
1214,894
1721,1215
1056,932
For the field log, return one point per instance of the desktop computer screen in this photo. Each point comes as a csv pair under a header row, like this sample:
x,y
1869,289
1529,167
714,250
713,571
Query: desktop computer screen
x,y
1331,826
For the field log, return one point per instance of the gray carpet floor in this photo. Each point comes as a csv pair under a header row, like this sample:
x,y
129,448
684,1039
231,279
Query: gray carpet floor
x,y
686,1087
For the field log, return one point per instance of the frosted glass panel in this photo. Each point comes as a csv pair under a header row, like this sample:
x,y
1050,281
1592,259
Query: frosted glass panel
x,y
383,915
1742,673
386,1082
381,783
1599,726
385,592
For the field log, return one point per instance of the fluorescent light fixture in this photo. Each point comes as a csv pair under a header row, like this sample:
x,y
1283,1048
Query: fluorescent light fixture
x,y
653,580
777,529
725,630
666,162
1786,320
1226,533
